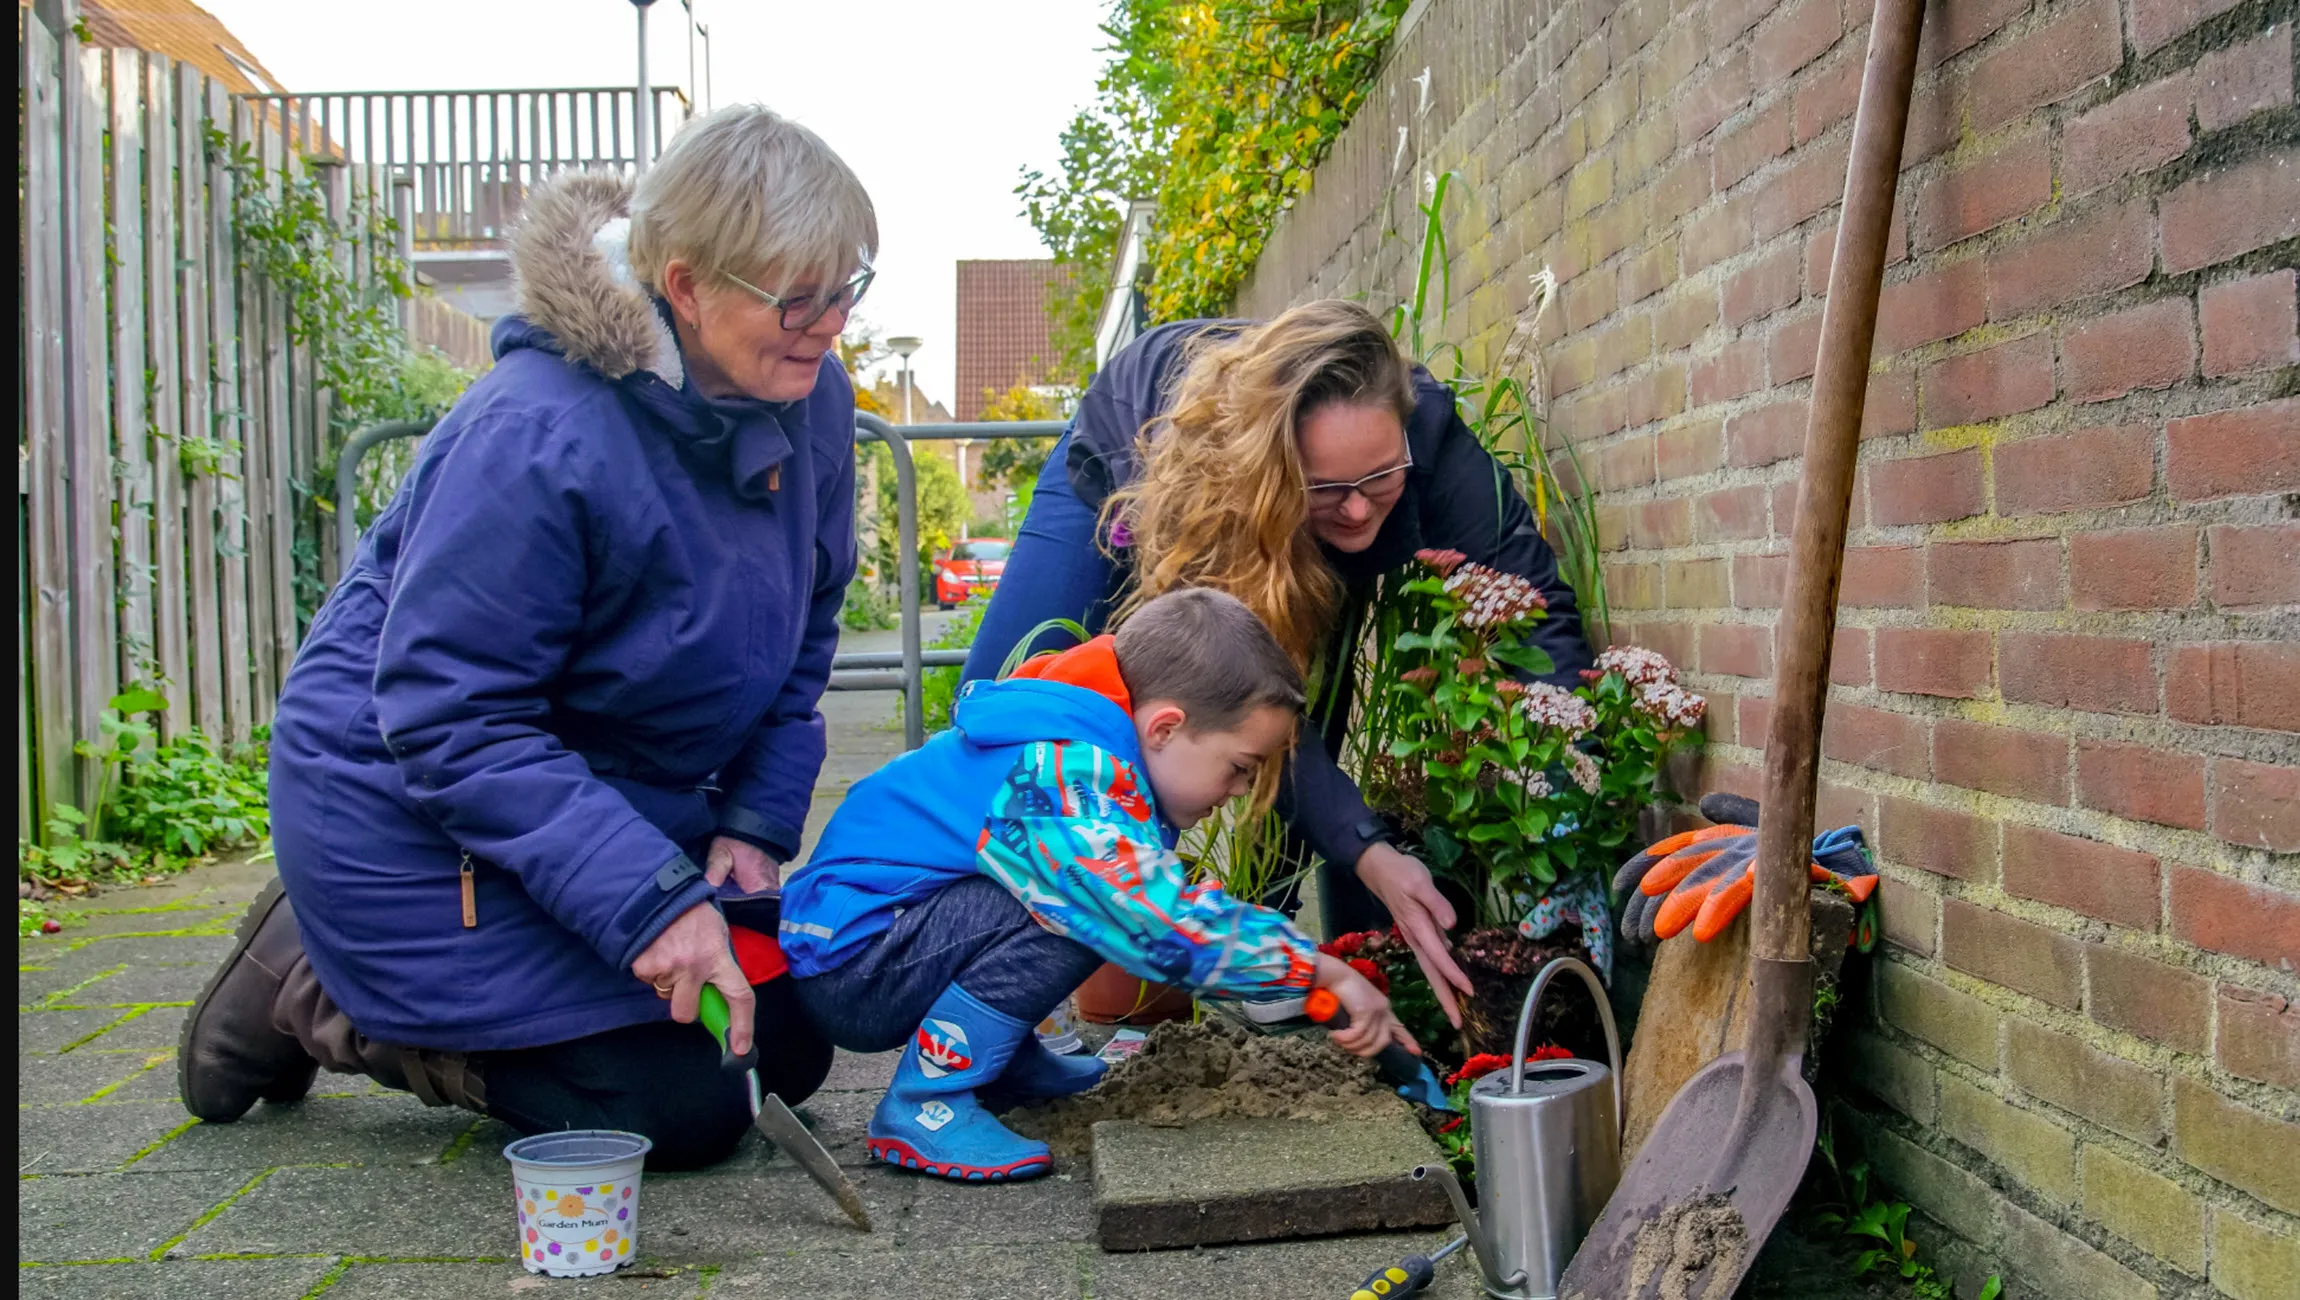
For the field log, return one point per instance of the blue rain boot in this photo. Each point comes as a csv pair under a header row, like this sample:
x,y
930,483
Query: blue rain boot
x,y
1038,1072
929,1119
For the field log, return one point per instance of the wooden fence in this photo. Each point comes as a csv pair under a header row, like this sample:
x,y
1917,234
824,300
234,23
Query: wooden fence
x,y
170,434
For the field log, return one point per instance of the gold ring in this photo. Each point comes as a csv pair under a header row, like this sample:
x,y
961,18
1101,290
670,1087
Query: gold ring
x,y
663,990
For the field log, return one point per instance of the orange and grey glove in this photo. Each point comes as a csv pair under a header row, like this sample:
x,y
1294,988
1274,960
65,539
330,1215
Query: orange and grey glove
x,y
1705,878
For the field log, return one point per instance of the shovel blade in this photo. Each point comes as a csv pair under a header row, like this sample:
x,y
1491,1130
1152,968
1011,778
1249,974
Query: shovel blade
x,y
1712,1179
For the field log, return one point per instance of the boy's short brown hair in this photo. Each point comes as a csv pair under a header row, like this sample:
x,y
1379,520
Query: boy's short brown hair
x,y
1204,650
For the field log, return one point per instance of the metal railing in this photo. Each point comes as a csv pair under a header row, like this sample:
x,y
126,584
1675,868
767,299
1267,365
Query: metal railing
x,y
903,670
472,155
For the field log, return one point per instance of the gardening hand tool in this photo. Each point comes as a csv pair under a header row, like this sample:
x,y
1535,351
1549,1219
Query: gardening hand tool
x,y
1409,1074
775,1121
1409,1276
1733,1144
1547,1137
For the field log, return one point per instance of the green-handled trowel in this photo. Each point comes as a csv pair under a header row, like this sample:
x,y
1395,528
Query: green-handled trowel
x,y
774,1119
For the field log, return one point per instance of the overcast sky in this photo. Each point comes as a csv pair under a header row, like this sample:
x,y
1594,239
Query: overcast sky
x,y
936,104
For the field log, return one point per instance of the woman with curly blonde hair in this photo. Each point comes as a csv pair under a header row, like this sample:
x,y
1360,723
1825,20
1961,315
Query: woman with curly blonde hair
x,y
1289,463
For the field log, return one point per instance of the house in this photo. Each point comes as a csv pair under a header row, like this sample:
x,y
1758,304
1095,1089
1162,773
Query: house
x,y
1004,337
185,33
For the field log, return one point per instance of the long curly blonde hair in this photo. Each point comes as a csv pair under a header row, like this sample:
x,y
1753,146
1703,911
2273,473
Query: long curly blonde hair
x,y
1220,500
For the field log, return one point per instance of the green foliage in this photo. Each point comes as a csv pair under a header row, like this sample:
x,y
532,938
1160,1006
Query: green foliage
x,y
159,806
938,691
943,511
1509,787
1219,110
1243,851
1863,1213
1016,462
868,608
33,917
429,385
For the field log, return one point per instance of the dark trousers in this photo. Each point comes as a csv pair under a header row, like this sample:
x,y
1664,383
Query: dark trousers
x,y
972,934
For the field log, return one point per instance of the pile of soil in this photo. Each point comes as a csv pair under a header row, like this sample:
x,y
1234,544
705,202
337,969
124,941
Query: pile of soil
x,y
1690,1245
1188,1072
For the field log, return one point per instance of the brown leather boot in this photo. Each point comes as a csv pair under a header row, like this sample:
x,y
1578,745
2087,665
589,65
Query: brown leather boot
x,y
304,1010
231,1055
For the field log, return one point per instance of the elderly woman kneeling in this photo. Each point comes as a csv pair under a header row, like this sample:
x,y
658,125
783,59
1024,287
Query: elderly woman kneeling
x,y
579,654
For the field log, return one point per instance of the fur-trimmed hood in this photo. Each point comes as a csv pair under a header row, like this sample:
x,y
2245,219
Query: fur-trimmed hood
x,y
573,281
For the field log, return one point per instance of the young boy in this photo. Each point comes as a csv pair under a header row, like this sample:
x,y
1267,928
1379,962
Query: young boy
x,y
965,889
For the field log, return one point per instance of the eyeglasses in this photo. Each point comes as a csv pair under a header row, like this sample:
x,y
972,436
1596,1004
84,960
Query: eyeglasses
x,y
1381,483
800,311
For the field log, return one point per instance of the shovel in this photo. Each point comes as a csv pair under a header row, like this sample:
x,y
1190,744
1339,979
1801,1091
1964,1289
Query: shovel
x,y
1712,1179
775,1121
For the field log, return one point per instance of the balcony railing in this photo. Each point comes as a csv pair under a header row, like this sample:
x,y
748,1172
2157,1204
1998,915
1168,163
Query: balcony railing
x,y
472,155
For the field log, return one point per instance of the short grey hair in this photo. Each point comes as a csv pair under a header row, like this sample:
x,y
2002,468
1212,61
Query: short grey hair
x,y
745,191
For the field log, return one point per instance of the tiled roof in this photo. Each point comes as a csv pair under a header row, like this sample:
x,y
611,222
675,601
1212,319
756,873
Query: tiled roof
x,y
181,30
1002,327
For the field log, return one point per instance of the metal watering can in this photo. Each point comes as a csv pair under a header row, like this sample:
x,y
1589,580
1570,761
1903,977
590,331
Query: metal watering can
x,y
1548,1145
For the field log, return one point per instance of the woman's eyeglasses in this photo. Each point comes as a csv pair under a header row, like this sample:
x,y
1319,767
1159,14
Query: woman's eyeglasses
x,y
800,311
1375,486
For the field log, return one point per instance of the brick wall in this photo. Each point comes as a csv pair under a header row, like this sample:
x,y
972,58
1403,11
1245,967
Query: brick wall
x,y
2067,700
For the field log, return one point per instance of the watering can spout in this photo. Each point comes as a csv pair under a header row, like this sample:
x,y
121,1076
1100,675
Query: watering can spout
x,y
1479,1242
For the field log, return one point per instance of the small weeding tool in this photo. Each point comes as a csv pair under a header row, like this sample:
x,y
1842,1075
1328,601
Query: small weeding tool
x,y
775,1121
1399,1068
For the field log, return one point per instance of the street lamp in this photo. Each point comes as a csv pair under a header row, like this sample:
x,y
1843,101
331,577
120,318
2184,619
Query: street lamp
x,y
704,30
903,346
643,119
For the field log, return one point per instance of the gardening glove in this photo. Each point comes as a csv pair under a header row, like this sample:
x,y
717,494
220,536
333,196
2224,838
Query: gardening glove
x,y
1575,902
1705,878
1841,854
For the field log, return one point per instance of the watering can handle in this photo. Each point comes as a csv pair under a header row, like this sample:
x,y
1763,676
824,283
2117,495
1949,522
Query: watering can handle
x,y
1604,1014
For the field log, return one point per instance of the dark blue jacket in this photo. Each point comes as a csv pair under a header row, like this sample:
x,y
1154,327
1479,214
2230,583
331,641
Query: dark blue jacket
x,y
589,632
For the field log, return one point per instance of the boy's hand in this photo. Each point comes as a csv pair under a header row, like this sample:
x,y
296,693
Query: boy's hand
x,y
1373,1025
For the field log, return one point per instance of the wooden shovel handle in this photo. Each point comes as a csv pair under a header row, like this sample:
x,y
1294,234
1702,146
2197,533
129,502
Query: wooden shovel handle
x,y
1832,445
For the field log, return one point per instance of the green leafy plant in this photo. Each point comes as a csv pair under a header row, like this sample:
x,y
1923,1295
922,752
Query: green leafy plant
x,y
868,607
1221,112
938,690
1511,786
1863,1213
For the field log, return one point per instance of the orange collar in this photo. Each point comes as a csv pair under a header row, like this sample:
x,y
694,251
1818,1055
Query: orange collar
x,y
1093,666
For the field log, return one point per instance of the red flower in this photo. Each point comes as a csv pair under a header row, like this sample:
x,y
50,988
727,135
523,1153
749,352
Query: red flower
x,y
1451,1124
1477,1067
1372,973
1549,1052
1419,678
1471,667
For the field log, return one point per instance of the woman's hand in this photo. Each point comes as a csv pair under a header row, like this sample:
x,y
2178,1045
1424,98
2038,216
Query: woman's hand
x,y
753,870
1373,1025
693,952
1422,915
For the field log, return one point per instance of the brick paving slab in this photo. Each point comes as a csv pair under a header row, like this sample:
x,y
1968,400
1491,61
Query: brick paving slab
x,y
1056,1208
1283,1271
50,1032
137,985
200,952
111,1216
90,1139
977,1273
250,1279
156,1028
49,1080
364,1281
336,1131
155,1081
726,1215
450,1212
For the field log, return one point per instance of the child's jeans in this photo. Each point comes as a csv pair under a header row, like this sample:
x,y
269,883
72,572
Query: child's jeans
x,y
973,934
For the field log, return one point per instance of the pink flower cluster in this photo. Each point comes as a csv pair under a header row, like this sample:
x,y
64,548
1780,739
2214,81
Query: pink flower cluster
x,y
1653,686
1495,599
1670,703
1553,706
1641,666
1584,771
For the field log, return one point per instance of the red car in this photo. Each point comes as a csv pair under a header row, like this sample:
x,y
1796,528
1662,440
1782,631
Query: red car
x,y
972,564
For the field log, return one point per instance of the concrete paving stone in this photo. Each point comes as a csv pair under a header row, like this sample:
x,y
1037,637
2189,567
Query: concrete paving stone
x,y
458,1281
1058,1207
111,1216
238,1279
35,983
1228,1180
157,1029
204,951
58,1080
441,1213
53,1031
374,1131
1332,1266
728,1214
856,1072
841,1122
139,985
170,921
970,1273
89,1139
154,1083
